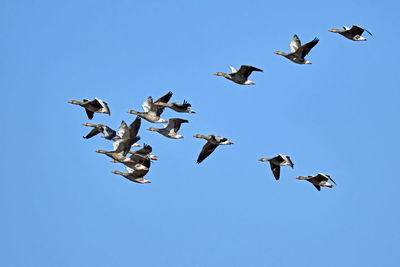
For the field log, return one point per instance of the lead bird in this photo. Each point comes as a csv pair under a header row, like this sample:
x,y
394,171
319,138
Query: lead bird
x,y
171,130
318,180
152,112
298,51
276,162
92,106
240,76
213,141
354,33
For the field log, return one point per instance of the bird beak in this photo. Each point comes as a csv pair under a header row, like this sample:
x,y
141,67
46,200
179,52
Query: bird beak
x,y
216,74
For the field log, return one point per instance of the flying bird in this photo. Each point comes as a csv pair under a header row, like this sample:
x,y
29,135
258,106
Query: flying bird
x,y
93,106
178,107
108,133
171,130
318,180
213,141
276,162
133,175
240,76
354,33
152,112
298,51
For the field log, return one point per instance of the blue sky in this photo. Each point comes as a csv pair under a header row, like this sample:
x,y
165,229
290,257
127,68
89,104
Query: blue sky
x,y
62,206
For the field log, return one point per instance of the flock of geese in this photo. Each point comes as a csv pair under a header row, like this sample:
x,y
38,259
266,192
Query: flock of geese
x,y
137,162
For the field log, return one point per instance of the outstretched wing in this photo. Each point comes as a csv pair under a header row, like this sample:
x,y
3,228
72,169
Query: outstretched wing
x,y
164,99
134,127
295,44
185,105
104,106
317,186
92,133
233,69
108,132
357,30
305,49
122,128
276,170
148,104
175,124
246,70
207,149
89,113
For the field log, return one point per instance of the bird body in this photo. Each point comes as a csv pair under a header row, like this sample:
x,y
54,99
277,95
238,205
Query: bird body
x,y
276,162
108,133
354,33
298,51
240,76
318,180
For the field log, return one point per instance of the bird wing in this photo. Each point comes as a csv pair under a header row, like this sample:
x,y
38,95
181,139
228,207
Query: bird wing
x,y
305,49
330,178
317,186
357,30
92,133
148,104
104,105
324,177
276,170
207,149
89,113
108,132
218,139
287,159
295,43
122,128
246,70
134,127
175,124
233,69
164,99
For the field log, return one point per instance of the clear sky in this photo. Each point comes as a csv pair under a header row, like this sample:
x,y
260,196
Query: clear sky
x,y
61,205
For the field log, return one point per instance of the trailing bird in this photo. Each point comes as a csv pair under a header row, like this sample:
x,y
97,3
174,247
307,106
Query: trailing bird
x,y
171,130
298,51
276,162
354,33
152,112
318,180
240,76
93,106
213,141
134,176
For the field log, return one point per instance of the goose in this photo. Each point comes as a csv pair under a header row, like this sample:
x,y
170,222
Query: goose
x,y
240,76
178,107
276,162
91,107
118,157
108,133
133,176
354,33
318,180
298,51
152,112
171,130
212,142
